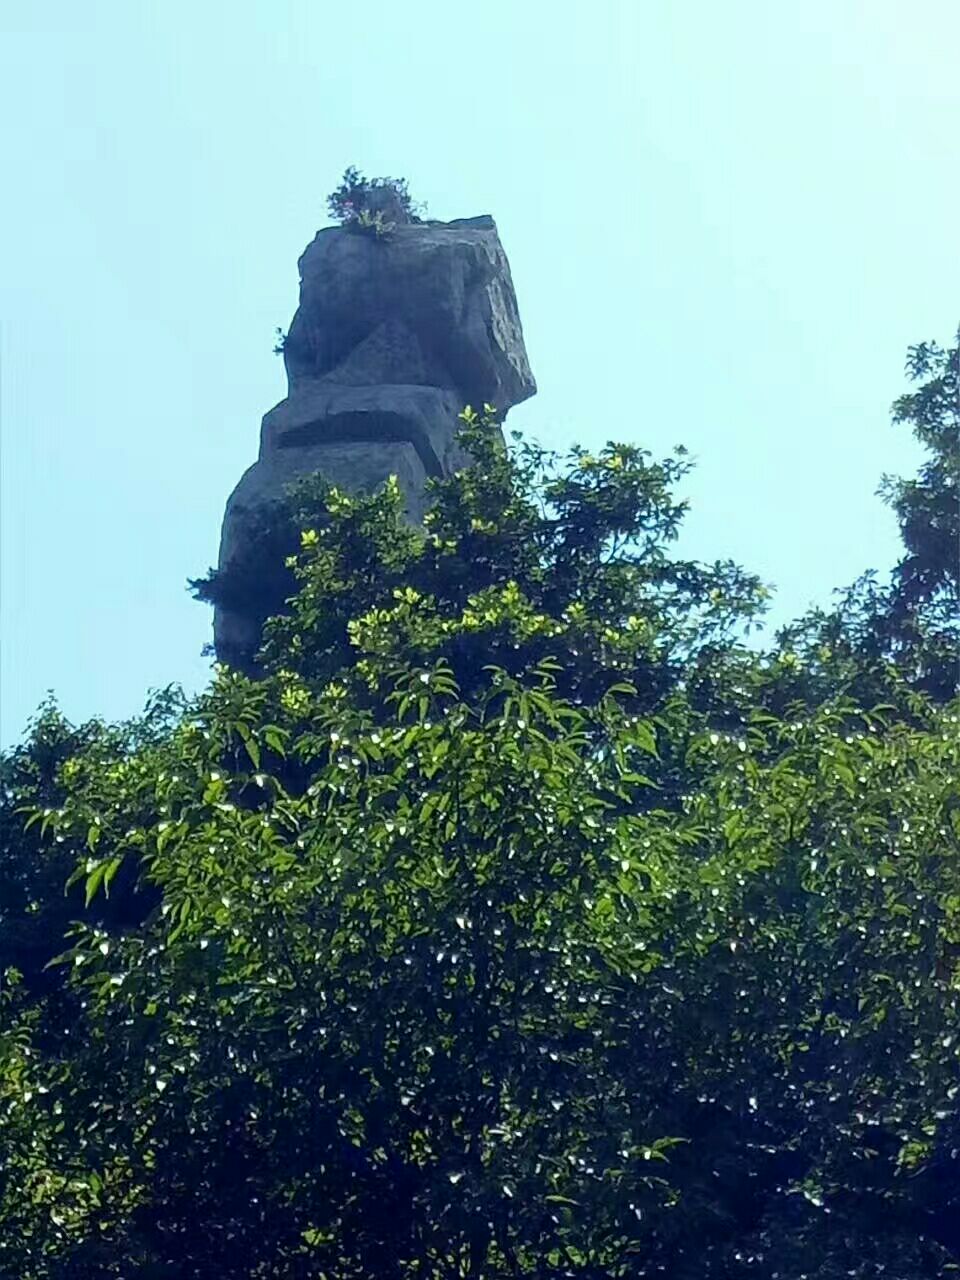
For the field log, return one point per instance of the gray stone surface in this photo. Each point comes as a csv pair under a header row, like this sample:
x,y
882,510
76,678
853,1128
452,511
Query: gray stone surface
x,y
391,339
444,288
319,411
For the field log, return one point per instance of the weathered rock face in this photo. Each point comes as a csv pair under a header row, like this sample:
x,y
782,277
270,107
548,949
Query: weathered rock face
x,y
391,339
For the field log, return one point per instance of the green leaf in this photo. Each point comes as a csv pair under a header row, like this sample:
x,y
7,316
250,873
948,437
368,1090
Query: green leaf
x,y
93,882
276,738
250,742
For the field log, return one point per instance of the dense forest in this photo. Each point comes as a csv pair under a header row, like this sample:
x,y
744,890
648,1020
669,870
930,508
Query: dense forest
x,y
520,915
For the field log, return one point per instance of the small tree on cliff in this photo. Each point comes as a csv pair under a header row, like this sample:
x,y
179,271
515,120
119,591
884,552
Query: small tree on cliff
x,y
373,204
500,929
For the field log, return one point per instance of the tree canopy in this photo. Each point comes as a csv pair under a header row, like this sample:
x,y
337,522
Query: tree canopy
x,y
515,918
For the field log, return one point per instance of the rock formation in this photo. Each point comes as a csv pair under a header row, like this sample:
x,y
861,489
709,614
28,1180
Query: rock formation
x,y
392,337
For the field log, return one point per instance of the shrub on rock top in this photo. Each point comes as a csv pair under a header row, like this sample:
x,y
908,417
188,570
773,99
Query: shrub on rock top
x,y
375,204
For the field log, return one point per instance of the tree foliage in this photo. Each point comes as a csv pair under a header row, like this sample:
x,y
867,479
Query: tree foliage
x,y
911,624
516,919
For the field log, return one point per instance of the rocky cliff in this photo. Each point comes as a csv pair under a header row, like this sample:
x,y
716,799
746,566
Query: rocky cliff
x,y
392,337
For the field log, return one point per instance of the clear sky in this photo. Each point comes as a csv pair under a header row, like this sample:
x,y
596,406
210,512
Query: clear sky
x,y
726,220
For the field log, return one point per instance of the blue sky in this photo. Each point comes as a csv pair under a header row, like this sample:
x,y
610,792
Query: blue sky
x,y
726,222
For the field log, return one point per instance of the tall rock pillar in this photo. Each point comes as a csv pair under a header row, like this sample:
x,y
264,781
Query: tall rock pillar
x,y
392,337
